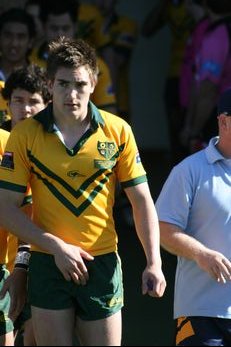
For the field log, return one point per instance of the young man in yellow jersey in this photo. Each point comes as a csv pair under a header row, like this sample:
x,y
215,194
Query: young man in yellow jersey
x,y
72,154
26,93
12,302
6,325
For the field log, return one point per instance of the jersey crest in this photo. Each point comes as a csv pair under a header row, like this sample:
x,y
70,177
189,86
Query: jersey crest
x,y
106,149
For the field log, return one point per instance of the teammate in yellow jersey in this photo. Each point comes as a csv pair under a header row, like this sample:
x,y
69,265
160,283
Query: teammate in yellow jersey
x,y
13,300
6,324
72,154
26,93
116,40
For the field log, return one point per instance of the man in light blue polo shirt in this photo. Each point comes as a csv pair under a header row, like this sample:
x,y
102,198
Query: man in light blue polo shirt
x,y
194,209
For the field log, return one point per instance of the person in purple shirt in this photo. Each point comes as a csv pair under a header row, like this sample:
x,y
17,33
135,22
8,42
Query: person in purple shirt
x,y
212,76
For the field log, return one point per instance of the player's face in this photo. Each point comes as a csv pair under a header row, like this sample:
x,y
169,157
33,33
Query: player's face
x,y
24,104
71,91
60,25
34,11
14,42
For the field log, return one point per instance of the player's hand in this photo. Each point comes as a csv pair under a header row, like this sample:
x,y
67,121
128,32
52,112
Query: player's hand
x,y
153,282
70,261
215,264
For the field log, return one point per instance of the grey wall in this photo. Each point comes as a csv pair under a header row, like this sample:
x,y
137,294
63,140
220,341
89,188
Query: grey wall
x,y
148,71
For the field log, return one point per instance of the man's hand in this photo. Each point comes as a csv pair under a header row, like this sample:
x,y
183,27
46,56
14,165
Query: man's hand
x,y
215,264
153,282
16,285
69,260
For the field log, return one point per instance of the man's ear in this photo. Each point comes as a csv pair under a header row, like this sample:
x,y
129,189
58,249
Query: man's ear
x,y
222,121
94,81
50,84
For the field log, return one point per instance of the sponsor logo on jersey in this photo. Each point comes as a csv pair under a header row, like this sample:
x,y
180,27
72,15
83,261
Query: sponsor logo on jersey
x,y
104,164
74,174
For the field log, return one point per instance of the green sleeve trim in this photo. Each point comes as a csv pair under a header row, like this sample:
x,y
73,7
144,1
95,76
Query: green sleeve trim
x,y
12,186
134,181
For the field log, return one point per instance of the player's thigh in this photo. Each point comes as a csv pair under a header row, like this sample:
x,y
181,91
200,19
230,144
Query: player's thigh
x,y
101,332
53,327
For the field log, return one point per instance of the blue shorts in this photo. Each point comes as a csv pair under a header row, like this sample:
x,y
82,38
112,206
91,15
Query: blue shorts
x,y
203,331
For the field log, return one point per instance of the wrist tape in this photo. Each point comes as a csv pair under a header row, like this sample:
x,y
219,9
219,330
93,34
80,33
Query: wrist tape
x,y
22,258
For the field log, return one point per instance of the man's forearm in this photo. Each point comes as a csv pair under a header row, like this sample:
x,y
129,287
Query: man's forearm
x,y
147,228
175,241
22,227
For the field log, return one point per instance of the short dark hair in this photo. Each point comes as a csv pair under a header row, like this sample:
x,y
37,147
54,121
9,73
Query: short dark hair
x,y
18,15
69,53
57,8
31,78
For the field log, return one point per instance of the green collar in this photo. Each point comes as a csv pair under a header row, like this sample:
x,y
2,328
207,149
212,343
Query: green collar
x,y
46,117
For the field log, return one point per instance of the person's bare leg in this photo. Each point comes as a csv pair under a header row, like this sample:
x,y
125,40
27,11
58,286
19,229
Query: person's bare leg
x,y
102,332
7,339
28,335
53,327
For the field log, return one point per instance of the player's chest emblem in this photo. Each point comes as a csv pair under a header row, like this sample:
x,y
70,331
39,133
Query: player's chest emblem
x,y
106,149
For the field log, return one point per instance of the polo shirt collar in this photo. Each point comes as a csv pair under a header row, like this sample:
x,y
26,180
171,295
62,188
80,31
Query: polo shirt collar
x,y
46,117
212,153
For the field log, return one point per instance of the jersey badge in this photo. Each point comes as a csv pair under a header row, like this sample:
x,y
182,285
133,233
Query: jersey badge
x,y
106,149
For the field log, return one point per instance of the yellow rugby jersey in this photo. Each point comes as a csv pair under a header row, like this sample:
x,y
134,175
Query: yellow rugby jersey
x,y
4,110
3,233
90,25
9,242
181,25
73,190
104,94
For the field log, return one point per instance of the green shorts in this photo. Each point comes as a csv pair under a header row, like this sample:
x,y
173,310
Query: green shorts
x,y
101,297
6,324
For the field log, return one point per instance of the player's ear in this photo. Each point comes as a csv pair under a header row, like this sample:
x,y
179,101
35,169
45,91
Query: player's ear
x,y
94,80
50,84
